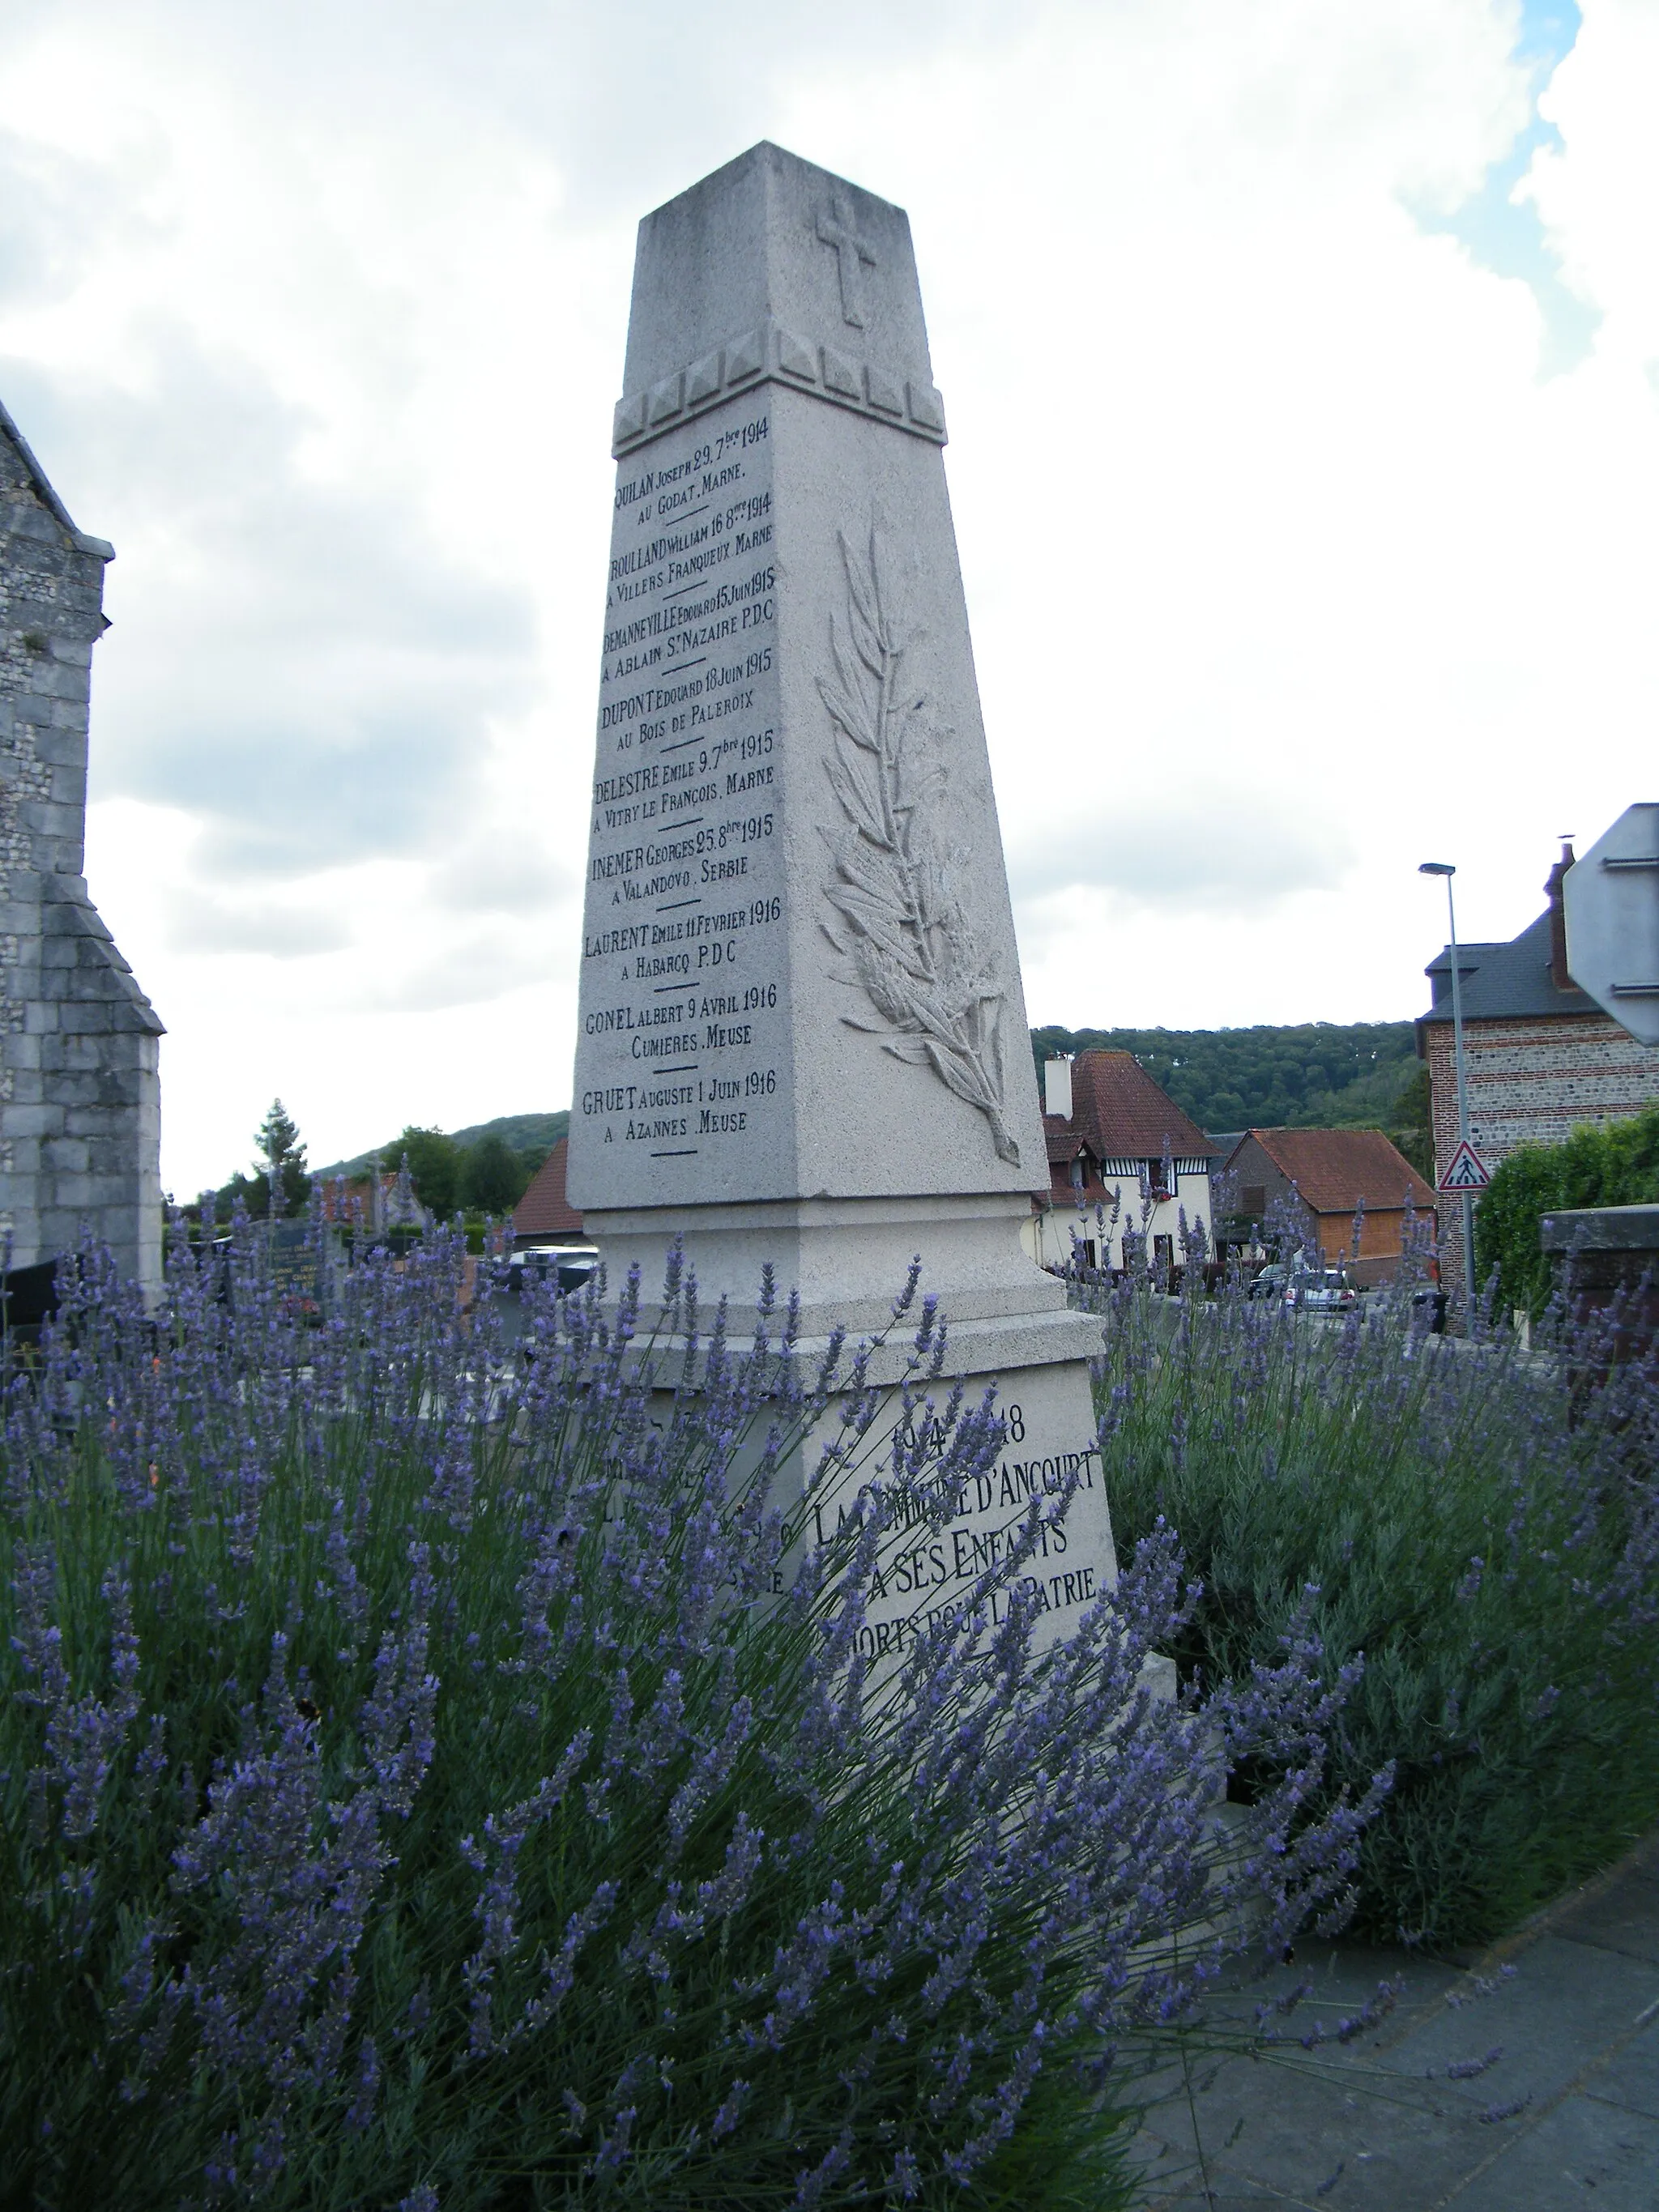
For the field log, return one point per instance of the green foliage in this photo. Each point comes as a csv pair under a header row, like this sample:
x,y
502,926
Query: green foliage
x,y
1435,1507
482,1171
251,1192
1411,1123
430,1778
449,1177
284,1156
1614,1164
1312,1075
492,1176
412,1649
436,1165
530,1136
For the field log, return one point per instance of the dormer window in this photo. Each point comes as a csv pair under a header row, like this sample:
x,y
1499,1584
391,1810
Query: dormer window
x,y
1077,1175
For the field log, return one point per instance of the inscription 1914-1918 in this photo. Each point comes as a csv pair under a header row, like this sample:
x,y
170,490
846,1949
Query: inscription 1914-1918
x,y
681,1030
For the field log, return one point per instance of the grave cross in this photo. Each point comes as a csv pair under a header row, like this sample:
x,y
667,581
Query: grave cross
x,y
838,230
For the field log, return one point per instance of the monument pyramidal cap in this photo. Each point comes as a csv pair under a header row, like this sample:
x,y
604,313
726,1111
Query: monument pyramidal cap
x,y
802,1035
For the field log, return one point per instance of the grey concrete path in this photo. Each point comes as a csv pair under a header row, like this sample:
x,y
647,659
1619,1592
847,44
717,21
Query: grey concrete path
x,y
1568,2114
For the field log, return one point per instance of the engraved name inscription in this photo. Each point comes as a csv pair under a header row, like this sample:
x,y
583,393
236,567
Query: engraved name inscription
x,y
681,1027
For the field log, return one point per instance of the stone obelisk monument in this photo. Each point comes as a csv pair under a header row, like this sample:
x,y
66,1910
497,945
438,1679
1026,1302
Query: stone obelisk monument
x,y
802,1037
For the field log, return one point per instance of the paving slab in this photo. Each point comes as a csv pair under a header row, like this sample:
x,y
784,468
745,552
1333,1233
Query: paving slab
x,y
1568,2114
1632,2077
1328,2137
1583,2153
1625,1920
1561,2002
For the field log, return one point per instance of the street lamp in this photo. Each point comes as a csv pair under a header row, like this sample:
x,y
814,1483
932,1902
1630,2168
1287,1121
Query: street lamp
x,y
1445,868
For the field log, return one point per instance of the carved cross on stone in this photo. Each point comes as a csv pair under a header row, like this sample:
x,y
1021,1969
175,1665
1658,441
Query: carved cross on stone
x,y
853,254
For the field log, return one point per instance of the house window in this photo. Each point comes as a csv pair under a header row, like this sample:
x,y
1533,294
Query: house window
x,y
1254,1199
1160,1178
1076,1174
1163,1257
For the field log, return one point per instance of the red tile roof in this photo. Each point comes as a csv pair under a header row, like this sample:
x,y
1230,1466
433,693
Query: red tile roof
x,y
356,1201
544,1211
1121,1114
1336,1169
1062,1139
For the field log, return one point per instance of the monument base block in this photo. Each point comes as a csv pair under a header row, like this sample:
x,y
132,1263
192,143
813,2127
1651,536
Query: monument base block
x,y
1007,1327
848,1259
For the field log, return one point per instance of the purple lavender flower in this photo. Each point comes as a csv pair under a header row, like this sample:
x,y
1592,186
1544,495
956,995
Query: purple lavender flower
x,y
510,1756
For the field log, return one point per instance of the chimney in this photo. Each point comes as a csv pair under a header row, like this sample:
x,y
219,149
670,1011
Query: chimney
x,y
1558,975
1057,1087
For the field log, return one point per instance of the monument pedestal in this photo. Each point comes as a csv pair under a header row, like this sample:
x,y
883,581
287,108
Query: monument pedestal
x,y
1047,1406
848,1258
1007,1327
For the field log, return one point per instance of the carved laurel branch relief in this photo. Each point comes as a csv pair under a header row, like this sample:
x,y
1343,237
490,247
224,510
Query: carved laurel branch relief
x,y
902,932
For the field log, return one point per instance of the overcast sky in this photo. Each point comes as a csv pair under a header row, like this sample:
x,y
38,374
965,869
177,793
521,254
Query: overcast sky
x,y
1301,362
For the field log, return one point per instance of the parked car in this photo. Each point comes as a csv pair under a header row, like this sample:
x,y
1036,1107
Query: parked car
x,y
1320,1290
1270,1283
568,1265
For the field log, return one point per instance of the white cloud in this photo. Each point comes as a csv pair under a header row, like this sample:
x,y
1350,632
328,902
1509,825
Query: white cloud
x,y
209,928
1284,565
1223,853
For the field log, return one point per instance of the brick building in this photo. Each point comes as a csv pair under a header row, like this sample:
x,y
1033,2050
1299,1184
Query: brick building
x,y
1326,1180
1113,1132
1542,1055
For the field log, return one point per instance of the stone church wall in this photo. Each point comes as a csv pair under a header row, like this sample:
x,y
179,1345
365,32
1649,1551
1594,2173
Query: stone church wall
x,y
80,1100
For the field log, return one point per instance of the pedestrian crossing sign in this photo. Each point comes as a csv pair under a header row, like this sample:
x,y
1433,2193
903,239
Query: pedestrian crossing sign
x,y
1465,1170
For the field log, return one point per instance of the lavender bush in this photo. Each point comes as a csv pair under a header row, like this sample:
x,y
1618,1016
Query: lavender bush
x,y
1480,1523
439,1773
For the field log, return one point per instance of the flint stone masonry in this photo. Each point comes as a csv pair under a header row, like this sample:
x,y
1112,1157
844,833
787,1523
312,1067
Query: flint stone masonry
x,y
1532,1081
80,1101
802,1037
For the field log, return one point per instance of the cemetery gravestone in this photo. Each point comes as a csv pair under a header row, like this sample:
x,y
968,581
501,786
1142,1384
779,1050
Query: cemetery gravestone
x,y
802,1037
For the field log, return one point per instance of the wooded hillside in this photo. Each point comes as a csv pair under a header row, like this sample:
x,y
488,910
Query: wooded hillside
x,y
532,1136
1312,1075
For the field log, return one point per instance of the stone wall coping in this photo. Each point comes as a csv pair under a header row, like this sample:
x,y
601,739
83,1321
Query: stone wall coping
x,y
1601,1229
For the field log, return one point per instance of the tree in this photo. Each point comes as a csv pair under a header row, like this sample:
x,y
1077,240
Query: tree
x,y
284,1172
1409,1125
435,1163
492,1177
